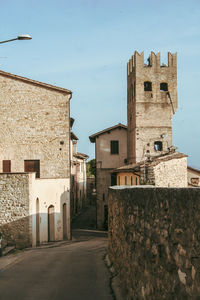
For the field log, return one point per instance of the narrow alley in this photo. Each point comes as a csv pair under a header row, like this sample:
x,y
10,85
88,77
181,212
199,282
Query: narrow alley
x,y
67,270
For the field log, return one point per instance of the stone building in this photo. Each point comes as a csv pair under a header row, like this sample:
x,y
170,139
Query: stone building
x,y
151,103
111,152
78,177
35,161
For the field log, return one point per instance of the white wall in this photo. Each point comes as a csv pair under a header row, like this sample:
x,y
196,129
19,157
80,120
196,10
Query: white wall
x,y
54,192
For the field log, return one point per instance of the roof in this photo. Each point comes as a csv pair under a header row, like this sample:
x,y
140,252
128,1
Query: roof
x,y
148,163
81,155
193,169
164,157
35,82
95,135
129,168
73,136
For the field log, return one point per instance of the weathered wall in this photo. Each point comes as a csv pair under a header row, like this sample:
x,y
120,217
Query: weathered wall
x,y
15,223
34,120
103,156
105,163
149,113
193,177
103,182
128,181
172,173
49,192
154,241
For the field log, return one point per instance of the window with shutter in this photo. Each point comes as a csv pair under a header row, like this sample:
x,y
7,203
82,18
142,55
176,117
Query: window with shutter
x,y
32,166
6,166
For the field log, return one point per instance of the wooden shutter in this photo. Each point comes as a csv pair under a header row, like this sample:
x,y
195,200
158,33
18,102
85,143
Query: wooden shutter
x,y
6,166
32,166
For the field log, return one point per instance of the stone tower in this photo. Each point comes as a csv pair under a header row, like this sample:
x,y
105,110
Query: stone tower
x,y
151,103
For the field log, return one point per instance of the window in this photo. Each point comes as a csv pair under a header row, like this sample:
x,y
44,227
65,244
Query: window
x,y
164,86
6,166
114,147
32,166
147,86
125,180
136,182
131,180
158,146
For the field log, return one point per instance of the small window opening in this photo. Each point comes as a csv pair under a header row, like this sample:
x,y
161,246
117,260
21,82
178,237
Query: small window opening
x,y
158,146
131,180
136,180
164,86
114,147
147,86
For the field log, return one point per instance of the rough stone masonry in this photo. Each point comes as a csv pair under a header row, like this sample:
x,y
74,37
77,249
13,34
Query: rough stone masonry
x,y
154,241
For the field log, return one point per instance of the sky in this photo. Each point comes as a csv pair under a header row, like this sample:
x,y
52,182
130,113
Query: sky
x,y
84,46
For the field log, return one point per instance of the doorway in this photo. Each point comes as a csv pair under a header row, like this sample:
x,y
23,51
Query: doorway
x,y
37,222
64,221
51,224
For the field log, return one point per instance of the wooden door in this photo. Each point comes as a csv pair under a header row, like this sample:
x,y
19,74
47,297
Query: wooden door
x,y
51,224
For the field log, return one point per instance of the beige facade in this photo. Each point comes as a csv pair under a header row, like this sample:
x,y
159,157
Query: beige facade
x,y
35,137
111,152
78,176
151,103
128,178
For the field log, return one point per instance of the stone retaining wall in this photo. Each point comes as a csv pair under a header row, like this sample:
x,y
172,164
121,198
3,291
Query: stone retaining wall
x,y
154,241
14,209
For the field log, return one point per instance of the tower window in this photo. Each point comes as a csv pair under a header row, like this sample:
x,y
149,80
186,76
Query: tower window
x,y
114,147
147,86
158,146
164,86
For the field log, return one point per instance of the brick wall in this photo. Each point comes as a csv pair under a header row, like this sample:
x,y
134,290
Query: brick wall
x,y
154,241
14,209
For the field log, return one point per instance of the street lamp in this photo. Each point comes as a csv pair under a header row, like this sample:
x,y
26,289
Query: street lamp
x,y
20,37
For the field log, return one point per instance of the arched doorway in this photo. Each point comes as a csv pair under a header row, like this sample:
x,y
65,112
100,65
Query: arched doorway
x,y
64,221
37,222
51,224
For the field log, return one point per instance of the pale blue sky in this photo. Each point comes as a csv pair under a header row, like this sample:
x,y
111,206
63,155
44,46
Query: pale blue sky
x,y
84,46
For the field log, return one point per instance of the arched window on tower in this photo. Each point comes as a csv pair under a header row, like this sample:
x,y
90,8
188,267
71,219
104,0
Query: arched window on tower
x,y
158,146
147,86
164,87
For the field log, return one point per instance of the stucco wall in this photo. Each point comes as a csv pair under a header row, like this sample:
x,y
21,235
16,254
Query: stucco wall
x,y
15,223
34,120
49,192
103,156
154,241
122,181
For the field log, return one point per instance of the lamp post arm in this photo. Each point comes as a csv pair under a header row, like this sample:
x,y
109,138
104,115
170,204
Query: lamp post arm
x,y
9,41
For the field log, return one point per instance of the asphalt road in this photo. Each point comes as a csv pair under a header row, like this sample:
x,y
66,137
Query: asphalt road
x,y
71,271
